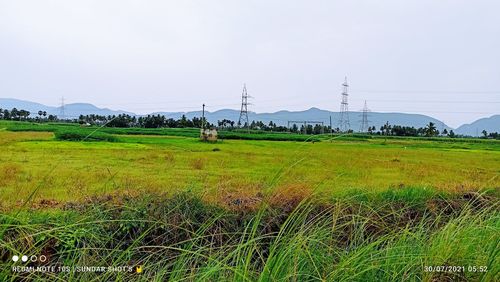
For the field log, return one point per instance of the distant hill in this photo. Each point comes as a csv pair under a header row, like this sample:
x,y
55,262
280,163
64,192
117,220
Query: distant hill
x,y
490,124
7,103
70,110
315,114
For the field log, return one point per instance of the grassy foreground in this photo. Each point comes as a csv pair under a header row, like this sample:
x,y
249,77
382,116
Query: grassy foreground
x,y
182,238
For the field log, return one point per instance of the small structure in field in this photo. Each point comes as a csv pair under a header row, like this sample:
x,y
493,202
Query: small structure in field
x,y
208,135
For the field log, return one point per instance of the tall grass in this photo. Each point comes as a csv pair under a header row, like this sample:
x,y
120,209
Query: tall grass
x,y
183,238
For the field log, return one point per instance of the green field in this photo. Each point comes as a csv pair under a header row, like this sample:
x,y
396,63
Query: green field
x,y
91,133
66,171
340,209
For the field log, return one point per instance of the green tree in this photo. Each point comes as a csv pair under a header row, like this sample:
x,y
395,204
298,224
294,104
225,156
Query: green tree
x,y
386,128
430,130
485,133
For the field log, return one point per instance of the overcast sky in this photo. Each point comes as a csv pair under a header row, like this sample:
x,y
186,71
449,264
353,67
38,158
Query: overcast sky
x,y
423,56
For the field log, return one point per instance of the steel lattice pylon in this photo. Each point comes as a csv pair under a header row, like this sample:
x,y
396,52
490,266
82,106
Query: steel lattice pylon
x,y
344,124
243,121
364,119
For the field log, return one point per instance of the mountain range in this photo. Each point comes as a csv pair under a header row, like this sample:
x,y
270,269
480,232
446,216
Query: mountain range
x,y
70,110
490,124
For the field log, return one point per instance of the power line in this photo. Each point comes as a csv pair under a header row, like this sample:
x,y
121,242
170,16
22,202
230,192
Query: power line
x,y
299,96
454,101
299,104
379,110
435,101
281,105
429,91
402,111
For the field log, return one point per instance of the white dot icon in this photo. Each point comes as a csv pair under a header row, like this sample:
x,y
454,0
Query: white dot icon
x,y
15,258
24,258
43,258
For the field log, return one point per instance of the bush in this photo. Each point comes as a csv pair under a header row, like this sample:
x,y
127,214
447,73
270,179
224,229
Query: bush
x,y
84,136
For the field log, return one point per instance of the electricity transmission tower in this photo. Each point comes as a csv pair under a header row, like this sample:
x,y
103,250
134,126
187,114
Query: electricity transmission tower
x,y
344,124
364,119
62,108
244,108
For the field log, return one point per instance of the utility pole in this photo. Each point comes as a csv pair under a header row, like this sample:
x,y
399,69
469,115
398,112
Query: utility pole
x,y
331,126
344,124
244,108
364,119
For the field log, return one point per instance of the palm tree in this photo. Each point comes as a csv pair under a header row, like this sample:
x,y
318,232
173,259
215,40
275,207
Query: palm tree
x,y
430,129
14,114
386,129
23,114
6,114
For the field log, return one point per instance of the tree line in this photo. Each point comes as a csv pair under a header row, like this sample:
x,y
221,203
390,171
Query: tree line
x,y
149,121
160,121
430,130
23,115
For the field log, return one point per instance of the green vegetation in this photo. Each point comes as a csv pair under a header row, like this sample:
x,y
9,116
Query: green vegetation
x,y
351,207
74,135
240,134
182,238
73,130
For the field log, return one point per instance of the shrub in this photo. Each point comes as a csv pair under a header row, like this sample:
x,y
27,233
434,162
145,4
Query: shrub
x,y
75,135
